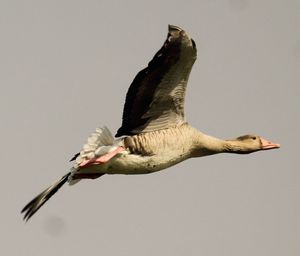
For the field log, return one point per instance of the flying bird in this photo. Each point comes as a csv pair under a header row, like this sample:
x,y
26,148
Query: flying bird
x,y
154,134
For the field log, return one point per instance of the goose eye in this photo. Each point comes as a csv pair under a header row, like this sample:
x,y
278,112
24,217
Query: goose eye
x,y
253,138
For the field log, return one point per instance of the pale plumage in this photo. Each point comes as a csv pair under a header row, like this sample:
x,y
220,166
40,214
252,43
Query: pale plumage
x,y
154,134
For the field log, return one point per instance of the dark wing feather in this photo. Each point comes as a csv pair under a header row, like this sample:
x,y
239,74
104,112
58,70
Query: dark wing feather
x,y
37,202
155,99
74,157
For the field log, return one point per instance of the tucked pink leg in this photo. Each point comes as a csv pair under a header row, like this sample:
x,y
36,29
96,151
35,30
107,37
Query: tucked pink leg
x,y
102,159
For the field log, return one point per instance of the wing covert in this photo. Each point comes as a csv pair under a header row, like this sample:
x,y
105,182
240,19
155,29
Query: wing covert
x,y
155,98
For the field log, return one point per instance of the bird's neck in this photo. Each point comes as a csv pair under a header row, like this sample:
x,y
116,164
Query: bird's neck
x,y
235,146
208,145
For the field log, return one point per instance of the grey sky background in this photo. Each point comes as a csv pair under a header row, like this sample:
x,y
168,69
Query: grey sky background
x,y
65,69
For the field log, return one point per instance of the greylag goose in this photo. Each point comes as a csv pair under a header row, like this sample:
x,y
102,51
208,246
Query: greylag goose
x,y
154,134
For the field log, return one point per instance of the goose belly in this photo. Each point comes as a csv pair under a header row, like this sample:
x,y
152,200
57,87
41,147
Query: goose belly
x,y
136,164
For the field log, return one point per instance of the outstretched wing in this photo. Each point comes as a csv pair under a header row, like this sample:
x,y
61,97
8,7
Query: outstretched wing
x,y
155,99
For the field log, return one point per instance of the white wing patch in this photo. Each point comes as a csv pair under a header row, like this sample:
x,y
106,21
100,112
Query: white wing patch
x,y
98,144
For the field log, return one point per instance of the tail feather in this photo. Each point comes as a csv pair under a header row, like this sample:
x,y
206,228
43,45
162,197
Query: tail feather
x,y
37,202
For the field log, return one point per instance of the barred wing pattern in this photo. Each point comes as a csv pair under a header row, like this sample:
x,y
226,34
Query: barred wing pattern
x,y
155,99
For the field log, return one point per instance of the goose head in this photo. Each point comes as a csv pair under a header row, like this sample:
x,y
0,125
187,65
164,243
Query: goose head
x,y
249,143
